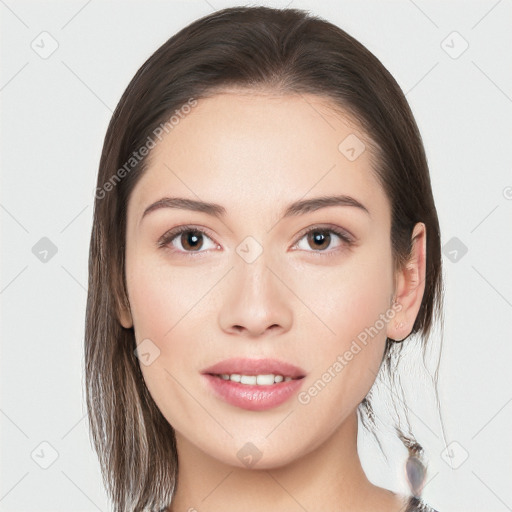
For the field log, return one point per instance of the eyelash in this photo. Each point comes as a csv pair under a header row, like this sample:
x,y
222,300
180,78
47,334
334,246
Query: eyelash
x,y
168,237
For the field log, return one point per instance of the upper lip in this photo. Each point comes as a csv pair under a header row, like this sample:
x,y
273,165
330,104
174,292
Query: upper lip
x,y
244,366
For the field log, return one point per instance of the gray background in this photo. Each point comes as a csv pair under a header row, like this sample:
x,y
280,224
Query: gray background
x,y
55,111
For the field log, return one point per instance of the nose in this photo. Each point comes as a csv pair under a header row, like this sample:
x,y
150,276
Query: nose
x,y
256,301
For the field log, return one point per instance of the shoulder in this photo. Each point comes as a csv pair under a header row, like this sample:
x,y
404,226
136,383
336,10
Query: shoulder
x,y
417,505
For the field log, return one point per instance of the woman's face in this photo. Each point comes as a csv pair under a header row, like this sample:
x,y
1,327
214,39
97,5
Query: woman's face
x,y
255,285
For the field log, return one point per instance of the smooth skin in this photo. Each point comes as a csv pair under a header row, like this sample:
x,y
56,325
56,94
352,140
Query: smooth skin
x,y
300,301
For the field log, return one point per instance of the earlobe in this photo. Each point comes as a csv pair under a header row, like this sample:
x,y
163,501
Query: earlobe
x,y
125,317
410,287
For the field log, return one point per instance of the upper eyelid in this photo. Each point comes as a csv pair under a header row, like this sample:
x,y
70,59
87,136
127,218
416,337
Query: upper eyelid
x,y
326,227
178,230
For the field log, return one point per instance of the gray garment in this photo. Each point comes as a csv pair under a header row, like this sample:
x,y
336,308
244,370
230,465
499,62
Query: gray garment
x,y
417,505
414,505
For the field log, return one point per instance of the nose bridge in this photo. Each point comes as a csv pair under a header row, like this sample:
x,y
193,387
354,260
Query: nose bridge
x,y
255,300
255,278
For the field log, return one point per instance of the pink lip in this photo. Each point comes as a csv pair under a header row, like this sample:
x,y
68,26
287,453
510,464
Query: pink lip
x,y
245,366
254,397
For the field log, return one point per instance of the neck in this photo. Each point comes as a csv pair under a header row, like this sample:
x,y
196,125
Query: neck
x,y
330,475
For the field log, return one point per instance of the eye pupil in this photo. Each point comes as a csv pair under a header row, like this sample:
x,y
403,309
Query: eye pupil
x,y
321,238
191,240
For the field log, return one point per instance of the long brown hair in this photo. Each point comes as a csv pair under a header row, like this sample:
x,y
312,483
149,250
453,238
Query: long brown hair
x,y
286,51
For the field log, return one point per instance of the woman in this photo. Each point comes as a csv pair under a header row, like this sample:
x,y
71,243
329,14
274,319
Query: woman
x,y
264,238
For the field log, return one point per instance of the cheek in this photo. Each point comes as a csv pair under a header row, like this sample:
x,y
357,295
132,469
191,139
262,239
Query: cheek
x,y
352,307
170,307
352,297
162,297
163,301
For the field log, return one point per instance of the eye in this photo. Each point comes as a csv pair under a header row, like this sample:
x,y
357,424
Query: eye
x,y
187,239
321,238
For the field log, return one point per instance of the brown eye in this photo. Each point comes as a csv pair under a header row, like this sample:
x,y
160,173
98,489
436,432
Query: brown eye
x,y
191,240
319,239
185,239
324,239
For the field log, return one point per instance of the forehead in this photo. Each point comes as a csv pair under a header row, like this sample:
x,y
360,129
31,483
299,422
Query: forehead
x,y
243,148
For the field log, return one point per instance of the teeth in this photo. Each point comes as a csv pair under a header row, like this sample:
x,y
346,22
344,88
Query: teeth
x,y
265,380
260,380
249,379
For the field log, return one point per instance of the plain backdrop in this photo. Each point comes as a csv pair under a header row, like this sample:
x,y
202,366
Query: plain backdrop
x,y
64,66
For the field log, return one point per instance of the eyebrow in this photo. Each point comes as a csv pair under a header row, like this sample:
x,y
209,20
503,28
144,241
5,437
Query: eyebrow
x,y
216,210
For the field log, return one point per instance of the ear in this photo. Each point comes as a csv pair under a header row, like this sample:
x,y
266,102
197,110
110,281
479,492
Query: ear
x,y
124,315
409,287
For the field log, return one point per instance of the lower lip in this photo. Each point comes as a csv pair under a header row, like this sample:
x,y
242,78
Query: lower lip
x,y
253,398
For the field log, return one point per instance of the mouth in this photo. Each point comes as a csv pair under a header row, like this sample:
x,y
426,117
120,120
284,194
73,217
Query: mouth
x,y
255,371
254,384
255,380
